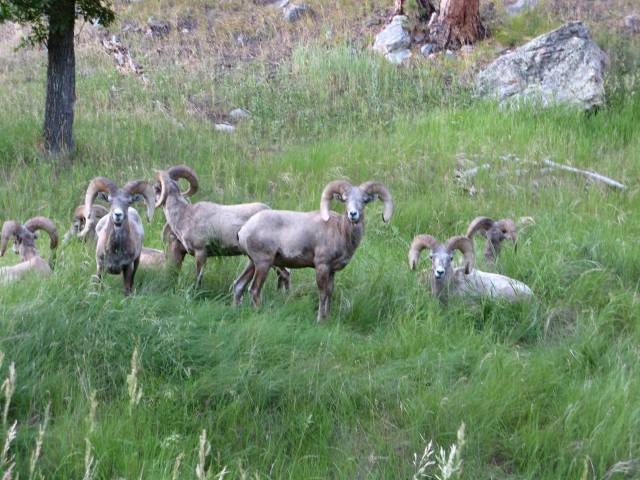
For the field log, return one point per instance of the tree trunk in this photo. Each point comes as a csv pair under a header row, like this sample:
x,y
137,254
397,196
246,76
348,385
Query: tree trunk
x,y
425,8
61,79
457,24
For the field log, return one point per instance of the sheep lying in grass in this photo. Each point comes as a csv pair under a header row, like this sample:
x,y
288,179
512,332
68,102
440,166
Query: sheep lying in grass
x,y
120,233
150,257
495,233
463,281
322,240
203,229
24,237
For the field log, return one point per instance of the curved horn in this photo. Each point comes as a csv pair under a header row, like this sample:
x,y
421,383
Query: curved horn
x,y
509,229
419,243
9,228
182,171
98,211
141,187
335,187
479,223
463,244
97,185
162,177
377,188
43,223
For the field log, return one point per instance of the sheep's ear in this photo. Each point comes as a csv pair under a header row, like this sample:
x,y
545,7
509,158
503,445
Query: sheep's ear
x,y
137,197
337,196
103,196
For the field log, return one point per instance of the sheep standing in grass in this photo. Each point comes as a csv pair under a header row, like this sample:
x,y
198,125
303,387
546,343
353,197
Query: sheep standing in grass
x,y
24,237
120,233
150,257
495,233
203,229
322,240
448,281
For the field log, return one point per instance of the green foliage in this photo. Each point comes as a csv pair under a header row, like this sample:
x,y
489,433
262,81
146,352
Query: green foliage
x,y
45,15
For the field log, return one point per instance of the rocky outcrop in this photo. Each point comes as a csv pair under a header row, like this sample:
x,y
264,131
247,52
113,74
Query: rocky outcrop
x,y
564,66
394,41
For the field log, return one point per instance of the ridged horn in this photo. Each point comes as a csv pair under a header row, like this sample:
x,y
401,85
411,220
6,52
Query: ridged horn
x,y
377,188
479,223
98,211
97,185
144,188
419,243
462,243
337,186
43,223
9,228
182,171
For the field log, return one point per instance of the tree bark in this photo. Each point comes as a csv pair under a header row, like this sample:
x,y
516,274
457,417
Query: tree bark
x,y
61,79
457,24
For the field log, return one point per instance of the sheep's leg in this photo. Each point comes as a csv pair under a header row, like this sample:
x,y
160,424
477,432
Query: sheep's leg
x,y
240,285
128,273
201,261
324,279
259,277
284,278
176,253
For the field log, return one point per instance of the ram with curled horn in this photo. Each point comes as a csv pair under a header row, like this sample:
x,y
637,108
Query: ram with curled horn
x,y
464,281
495,232
323,240
119,233
24,237
202,229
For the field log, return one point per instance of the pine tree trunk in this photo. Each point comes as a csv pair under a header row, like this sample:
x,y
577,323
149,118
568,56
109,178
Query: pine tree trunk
x,y
457,24
61,79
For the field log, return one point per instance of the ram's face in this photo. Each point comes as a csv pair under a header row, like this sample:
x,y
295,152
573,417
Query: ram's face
x,y
355,200
441,260
120,203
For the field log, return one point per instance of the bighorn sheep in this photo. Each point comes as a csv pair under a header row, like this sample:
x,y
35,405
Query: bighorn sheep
x,y
463,281
150,257
120,233
495,233
322,240
23,237
203,229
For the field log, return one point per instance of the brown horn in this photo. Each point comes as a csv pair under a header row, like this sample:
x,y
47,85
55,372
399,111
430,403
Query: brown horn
x,y
43,223
98,211
419,243
141,187
9,228
479,223
509,229
182,171
377,188
97,185
463,244
162,177
335,187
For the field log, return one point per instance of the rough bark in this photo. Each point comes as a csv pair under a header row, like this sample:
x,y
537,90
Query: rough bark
x,y
61,80
457,24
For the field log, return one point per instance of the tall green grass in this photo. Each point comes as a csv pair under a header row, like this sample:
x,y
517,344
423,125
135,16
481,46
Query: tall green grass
x,y
544,389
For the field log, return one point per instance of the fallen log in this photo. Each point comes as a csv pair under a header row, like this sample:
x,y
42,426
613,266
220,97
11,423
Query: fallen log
x,y
587,173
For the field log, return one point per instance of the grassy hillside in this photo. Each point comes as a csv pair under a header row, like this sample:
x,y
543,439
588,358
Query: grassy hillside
x,y
546,390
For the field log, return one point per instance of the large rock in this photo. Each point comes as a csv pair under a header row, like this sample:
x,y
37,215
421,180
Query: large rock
x,y
564,66
394,40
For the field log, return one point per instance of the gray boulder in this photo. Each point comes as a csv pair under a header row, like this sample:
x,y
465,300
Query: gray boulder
x,y
394,40
564,66
293,12
632,23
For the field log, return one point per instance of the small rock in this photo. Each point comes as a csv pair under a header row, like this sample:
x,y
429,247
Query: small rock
x,y
449,54
398,56
238,114
466,49
293,12
427,49
187,24
432,56
158,27
224,127
632,23
241,40
418,37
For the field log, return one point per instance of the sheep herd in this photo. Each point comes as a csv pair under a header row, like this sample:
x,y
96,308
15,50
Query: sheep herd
x,y
323,240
